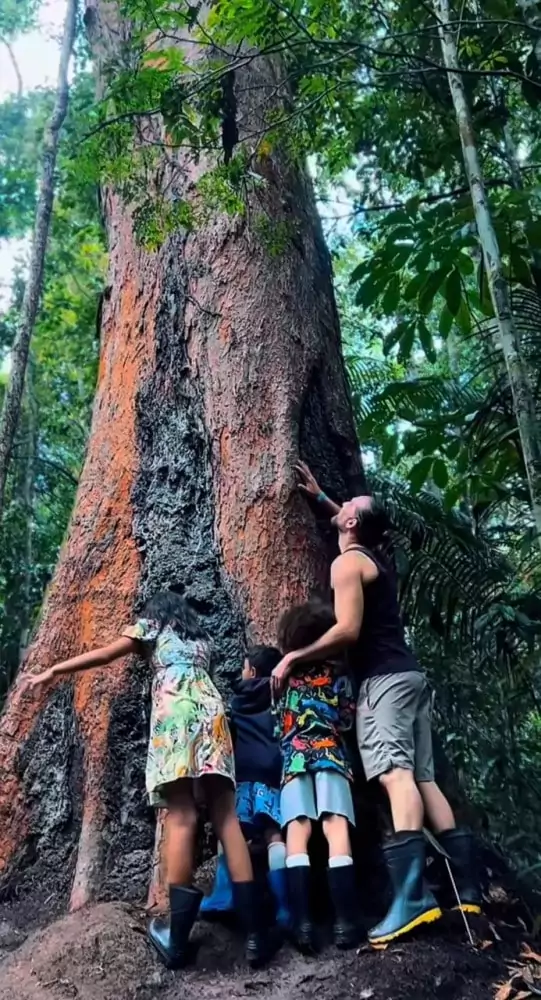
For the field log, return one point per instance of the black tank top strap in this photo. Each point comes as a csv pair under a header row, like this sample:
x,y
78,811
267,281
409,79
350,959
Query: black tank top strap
x,y
378,562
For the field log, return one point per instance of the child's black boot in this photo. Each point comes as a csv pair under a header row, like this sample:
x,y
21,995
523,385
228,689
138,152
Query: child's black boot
x,y
170,935
298,885
261,943
344,898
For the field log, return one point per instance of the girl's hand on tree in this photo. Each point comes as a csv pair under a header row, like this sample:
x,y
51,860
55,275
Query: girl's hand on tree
x,y
31,682
308,482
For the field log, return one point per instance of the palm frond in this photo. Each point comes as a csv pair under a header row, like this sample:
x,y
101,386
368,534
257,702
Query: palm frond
x,y
454,579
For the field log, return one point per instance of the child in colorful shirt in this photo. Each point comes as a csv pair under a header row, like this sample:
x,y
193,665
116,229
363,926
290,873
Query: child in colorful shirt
x,y
314,711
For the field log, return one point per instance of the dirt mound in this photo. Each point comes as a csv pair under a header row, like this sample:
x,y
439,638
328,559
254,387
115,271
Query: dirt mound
x,y
101,954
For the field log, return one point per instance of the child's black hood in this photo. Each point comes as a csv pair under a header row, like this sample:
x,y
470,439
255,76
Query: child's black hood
x,y
252,696
257,754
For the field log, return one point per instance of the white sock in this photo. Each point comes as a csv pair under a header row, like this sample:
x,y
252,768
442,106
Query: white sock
x,y
340,861
220,848
277,856
297,861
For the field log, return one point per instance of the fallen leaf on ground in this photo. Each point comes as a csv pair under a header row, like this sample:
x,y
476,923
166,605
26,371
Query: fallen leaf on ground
x,y
483,945
503,991
522,995
495,932
366,994
529,955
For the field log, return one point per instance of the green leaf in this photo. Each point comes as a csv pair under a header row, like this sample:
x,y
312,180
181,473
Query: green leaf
x,y
412,288
389,449
463,317
520,267
406,343
392,296
359,272
432,285
440,474
392,338
445,324
465,263
401,233
412,442
400,254
427,343
453,495
453,292
420,472
368,292
421,261
453,449
399,217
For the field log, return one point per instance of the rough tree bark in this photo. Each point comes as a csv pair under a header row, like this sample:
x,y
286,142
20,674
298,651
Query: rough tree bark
x,y
220,365
11,407
523,399
28,498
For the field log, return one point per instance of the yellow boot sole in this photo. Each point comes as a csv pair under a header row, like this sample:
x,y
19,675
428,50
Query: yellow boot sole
x,y
426,918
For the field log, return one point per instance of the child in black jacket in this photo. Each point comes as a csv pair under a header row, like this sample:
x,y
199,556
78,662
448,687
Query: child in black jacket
x,y
258,767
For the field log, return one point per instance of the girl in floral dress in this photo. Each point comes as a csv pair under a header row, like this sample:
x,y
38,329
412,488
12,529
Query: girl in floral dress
x,y
190,748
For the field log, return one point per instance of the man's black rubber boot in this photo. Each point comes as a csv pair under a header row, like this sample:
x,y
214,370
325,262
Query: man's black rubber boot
x,y
413,903
460,846
261,943
344,898
170,935
298,887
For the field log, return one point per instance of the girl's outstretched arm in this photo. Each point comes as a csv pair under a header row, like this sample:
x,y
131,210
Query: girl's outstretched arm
x,y
96,658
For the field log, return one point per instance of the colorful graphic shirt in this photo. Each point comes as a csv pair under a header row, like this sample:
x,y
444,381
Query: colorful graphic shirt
x,y
316,708
189,733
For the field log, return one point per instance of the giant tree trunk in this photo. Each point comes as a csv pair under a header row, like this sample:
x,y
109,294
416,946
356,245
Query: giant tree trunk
x,y
220,365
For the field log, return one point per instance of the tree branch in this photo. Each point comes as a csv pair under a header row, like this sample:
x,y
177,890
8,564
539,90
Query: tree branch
x,y
15,65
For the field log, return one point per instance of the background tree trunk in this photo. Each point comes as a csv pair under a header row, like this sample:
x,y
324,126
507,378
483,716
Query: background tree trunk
x,y
220,365
28,497
11,406
509,340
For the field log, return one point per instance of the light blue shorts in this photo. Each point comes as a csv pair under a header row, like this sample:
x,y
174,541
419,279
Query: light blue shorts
x,y
316,794
258,806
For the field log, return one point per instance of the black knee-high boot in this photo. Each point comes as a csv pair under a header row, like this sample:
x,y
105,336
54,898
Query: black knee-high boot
x,y
298,886
344,899
460,846
170,935
261,943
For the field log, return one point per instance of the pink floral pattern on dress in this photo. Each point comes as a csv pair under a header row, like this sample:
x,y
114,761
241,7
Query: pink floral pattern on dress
x,y
189,733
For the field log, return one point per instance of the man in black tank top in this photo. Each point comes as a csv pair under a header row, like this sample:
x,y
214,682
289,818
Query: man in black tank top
x,y
393,713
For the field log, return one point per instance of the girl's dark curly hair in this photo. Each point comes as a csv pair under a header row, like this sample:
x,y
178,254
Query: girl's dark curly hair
x,y
168,608
303,624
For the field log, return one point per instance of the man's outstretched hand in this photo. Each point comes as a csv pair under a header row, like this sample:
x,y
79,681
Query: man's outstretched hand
x,y
280,675
307,481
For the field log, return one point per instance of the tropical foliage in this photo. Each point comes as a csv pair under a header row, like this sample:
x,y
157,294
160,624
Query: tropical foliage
x,y
361,90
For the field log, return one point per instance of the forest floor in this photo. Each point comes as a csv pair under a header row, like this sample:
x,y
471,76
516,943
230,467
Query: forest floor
x,y
100,953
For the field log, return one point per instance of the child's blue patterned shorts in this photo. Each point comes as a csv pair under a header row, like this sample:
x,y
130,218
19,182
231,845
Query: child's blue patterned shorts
x,y
257,804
